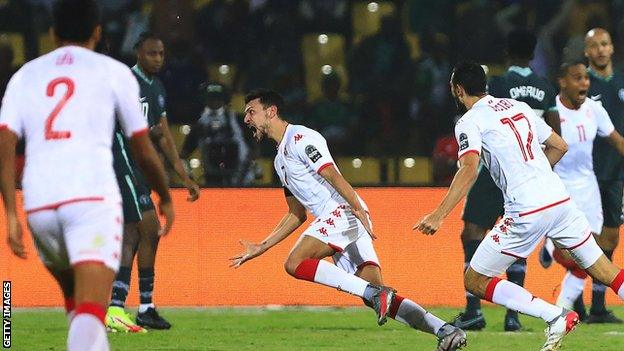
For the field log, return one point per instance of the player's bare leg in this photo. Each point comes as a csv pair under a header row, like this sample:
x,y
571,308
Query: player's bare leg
x,y
146,259
305,262
65,279
608,241
117,320
410,313
472,318
571,295
93,282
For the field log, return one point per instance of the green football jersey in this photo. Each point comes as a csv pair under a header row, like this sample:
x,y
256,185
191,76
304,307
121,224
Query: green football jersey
x,y
153,97
522,84
610,93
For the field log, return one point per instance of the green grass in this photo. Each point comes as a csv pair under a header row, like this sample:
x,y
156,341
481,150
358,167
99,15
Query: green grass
x,y
304,329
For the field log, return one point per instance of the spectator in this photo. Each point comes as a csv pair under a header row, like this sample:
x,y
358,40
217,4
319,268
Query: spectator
x,y
217,133
6,64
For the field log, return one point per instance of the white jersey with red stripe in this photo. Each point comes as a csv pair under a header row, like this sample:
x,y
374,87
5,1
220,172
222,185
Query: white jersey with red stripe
x,y
301,155
507,134
65,104
579,128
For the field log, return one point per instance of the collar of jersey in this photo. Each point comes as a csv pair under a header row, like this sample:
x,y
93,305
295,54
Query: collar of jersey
x,y
138,71
283,142
523,71
598,76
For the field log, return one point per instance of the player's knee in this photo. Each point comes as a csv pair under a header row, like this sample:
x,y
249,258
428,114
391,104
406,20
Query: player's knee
x,y
291,265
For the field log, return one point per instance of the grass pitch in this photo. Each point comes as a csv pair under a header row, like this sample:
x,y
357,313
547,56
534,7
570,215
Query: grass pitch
x,y
304,329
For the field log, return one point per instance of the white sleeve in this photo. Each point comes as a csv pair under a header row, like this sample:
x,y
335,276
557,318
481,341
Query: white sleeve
x,y
312,149
9,114
127,105
605,126
468,137
542,129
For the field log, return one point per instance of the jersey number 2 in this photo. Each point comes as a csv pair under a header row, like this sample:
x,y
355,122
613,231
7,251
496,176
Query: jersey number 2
x,y
51,134
525,148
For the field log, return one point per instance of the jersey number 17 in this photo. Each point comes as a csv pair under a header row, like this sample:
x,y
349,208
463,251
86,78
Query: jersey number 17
x,y
527,153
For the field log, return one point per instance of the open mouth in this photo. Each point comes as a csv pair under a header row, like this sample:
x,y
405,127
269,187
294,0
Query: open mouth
x,y
582,94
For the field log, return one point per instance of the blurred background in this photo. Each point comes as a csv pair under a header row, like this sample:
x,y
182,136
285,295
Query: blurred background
x,y
372,77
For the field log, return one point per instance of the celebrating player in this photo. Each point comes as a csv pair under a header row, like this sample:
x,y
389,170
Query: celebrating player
x,y
506,134
141,222
342,228
582,120
64,104
484,202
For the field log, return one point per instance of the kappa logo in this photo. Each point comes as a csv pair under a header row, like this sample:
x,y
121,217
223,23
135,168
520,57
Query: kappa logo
x,y
313,153
463,141
298,137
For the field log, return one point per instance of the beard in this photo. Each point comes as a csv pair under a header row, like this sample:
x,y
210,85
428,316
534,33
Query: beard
x,y
461,108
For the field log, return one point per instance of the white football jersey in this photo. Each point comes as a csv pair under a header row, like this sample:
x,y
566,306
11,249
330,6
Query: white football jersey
x,y
64,104
301,155
579,129
507,134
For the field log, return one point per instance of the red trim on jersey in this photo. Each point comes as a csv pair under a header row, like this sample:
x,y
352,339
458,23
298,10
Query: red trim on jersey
x,y
616,284
489,291
55,206
140,132
394,306
91,308
4,126
70,304
368,263
467,152
543,208
324,166
336,248
306,270
511,254
582,242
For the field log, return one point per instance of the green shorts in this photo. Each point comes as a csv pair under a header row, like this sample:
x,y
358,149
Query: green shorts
x,y
135,198
611,196
484,203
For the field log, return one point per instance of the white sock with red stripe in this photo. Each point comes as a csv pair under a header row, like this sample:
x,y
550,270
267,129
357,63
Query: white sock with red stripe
x,y
618,284
516,298
323,272
571,288
86,330
408,312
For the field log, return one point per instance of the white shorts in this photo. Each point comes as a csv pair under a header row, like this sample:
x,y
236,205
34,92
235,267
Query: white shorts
x,y
516,237
586,196
341,230
89,231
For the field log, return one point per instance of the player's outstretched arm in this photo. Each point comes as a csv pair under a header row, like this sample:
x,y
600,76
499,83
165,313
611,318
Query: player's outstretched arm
x,y
292,220
556,147
167,145
463,180
345,190
8,140
144,153
616,140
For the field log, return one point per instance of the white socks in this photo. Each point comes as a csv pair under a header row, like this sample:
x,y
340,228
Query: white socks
x,y
408,312
87,333
323,272
571,288
514,297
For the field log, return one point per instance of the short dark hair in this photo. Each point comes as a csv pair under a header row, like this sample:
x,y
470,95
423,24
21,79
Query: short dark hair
x,y
471,77
143,37
75,20
565,67
521,44
267,98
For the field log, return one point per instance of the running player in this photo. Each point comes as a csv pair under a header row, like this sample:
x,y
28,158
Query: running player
x,y
607,87
64,104
141,224
582,120
484,203
507,135
342,228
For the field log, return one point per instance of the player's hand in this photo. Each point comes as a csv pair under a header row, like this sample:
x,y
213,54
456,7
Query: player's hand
x,y
193,190
363,217
165,208
15,237
251,251
429,224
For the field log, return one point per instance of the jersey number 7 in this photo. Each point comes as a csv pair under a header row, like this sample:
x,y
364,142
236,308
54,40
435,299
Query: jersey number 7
x,y
51,134
525,148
